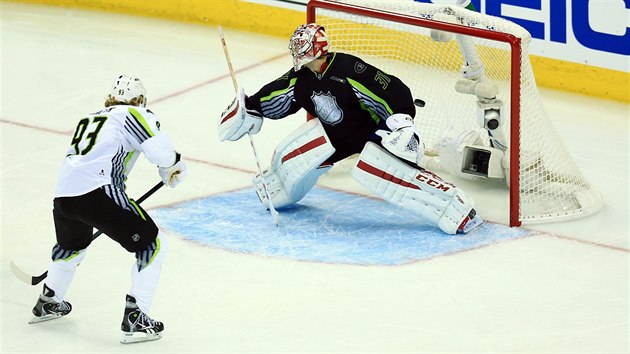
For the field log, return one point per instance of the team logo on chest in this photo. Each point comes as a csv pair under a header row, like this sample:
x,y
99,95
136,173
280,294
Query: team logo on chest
x,y
326,108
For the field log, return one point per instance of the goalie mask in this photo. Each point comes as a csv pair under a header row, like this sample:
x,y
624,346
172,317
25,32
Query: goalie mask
x,y
308,43
126,88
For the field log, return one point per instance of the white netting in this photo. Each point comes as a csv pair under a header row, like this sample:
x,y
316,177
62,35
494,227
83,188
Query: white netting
x,y
551,185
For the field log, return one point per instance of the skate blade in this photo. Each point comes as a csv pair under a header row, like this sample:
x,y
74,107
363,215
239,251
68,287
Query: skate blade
x,y
44,318
138,337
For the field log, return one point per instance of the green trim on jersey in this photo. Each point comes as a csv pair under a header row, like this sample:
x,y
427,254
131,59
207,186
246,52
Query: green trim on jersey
x,y
279,92
126,161
142,121
373,114
135,206
329,64
357,85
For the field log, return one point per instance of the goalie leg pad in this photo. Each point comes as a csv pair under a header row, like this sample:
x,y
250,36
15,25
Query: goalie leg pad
x,y
419,191
280,195
297,164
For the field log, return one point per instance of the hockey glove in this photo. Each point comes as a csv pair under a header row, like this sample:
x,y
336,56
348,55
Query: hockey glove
x,y
237,120
174,175
404,140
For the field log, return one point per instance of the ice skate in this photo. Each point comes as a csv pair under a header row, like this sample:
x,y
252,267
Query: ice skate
x,y
471,224
47,309
137,326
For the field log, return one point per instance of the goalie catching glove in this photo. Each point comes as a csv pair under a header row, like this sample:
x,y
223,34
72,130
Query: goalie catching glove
x,y
404,140
237,120
174,175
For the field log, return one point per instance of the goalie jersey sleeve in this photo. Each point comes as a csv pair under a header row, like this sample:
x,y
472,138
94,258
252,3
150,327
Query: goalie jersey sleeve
x,y
350,97
106,145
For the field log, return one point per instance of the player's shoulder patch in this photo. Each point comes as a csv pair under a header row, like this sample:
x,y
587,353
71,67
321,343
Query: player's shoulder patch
x,y
357,64
359,67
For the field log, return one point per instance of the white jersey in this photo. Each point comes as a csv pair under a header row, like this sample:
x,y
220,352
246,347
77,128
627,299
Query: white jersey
x,y
106,145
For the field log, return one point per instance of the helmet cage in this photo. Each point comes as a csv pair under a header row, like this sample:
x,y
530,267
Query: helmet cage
x,y
308,43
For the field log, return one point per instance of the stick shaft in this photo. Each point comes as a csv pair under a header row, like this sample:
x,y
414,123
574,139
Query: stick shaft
x,y
274,213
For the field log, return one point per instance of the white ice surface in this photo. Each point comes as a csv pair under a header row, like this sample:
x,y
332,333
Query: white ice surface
x,y
564,290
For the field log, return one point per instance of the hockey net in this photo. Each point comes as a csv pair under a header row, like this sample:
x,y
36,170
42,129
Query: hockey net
x,y
394,35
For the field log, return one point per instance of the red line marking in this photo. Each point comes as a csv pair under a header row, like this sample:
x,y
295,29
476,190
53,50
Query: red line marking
x,y
34,127
216,79
213,164
586,242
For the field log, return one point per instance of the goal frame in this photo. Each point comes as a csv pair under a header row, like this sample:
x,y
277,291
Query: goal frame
x,y
515,72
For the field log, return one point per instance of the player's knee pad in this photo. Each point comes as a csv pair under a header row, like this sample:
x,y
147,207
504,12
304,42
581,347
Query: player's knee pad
x,y
419,191
297,164
154,253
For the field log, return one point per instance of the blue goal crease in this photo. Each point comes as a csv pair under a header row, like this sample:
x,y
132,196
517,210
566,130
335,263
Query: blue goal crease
x,y
326,226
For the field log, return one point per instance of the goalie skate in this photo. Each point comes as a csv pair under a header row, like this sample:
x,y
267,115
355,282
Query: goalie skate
x,y
137,326
47,309
471,223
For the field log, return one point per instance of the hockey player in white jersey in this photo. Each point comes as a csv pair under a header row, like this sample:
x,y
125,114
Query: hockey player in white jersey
x,y
91,194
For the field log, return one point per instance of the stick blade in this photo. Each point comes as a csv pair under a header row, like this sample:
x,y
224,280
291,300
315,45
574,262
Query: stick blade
x,y
19,273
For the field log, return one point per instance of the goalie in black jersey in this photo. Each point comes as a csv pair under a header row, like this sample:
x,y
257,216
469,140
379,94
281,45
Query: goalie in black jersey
x,y
359,109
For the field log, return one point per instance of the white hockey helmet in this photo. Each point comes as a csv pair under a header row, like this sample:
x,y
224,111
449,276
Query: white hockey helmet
x,y
126,88
308,43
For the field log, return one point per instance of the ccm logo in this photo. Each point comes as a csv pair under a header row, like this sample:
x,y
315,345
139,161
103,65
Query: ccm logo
x,y
433,183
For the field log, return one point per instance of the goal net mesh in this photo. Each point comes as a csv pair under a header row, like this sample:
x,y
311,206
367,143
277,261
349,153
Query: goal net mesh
x,y
550,183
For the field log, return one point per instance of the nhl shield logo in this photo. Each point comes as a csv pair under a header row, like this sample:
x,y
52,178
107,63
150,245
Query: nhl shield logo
x,y
326,108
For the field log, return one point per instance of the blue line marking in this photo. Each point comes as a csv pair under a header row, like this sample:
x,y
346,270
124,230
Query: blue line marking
x,y
326,226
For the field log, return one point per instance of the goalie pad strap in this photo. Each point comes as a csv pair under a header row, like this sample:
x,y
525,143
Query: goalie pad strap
x,y
419,191
297,164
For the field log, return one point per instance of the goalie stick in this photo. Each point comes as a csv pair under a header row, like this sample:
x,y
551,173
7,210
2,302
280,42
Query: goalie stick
x,y
34,280
274,213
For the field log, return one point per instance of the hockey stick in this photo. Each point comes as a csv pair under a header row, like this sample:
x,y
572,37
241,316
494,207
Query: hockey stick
x,y
274,214
34,280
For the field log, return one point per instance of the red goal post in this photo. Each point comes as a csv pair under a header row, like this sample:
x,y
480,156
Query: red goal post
x,y
544,182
